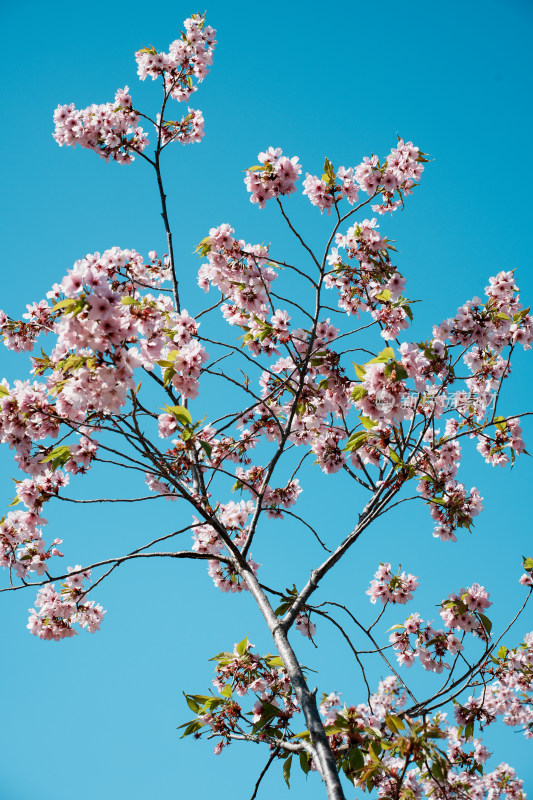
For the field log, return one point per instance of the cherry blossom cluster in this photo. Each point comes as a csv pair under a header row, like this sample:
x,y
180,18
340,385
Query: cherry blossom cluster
x,y
22,547
234,517
457,748
187,59
464,610
527,578
187,130
510,695
380,396
181,360
392,587
494,325
430,645
226,579
333,186
26,416
373,745
274,500
229,448
104,329
324,392
368,447
328,707
383,390
507,434
98,322
275,175
451,505
371,282
110,129
402,170
35,491
57,612
242,672
238,270
304,625
500,783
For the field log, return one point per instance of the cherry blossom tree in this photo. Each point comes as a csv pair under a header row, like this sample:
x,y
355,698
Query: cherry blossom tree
x,y
111,343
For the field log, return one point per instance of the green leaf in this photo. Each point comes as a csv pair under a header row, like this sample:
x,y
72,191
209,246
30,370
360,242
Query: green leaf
x,y
72,362
71,305
500,423
59,454
80,305
181,413
337,728
213,702
201,698
14,502
437,771
193,705
408,311
400,373
356,758
192,727
68,301
287,770
304,762
207,447
302,735
384,356
521,314
275,661
242,646
358,392
395,723
329,172
527,563
367,423
359,371
394,456
130,301
168,375
487,624
374,750
357,440
227,691
204,247
3,391
469,730
384,296
502,652
396,628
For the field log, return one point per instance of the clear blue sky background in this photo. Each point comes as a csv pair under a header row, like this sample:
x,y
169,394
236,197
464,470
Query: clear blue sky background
x,y
96,715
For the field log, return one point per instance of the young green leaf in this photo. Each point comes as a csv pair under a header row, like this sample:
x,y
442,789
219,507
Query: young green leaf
x,y
287,770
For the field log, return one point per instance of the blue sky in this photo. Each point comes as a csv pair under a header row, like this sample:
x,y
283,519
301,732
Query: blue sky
x,y
98,713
